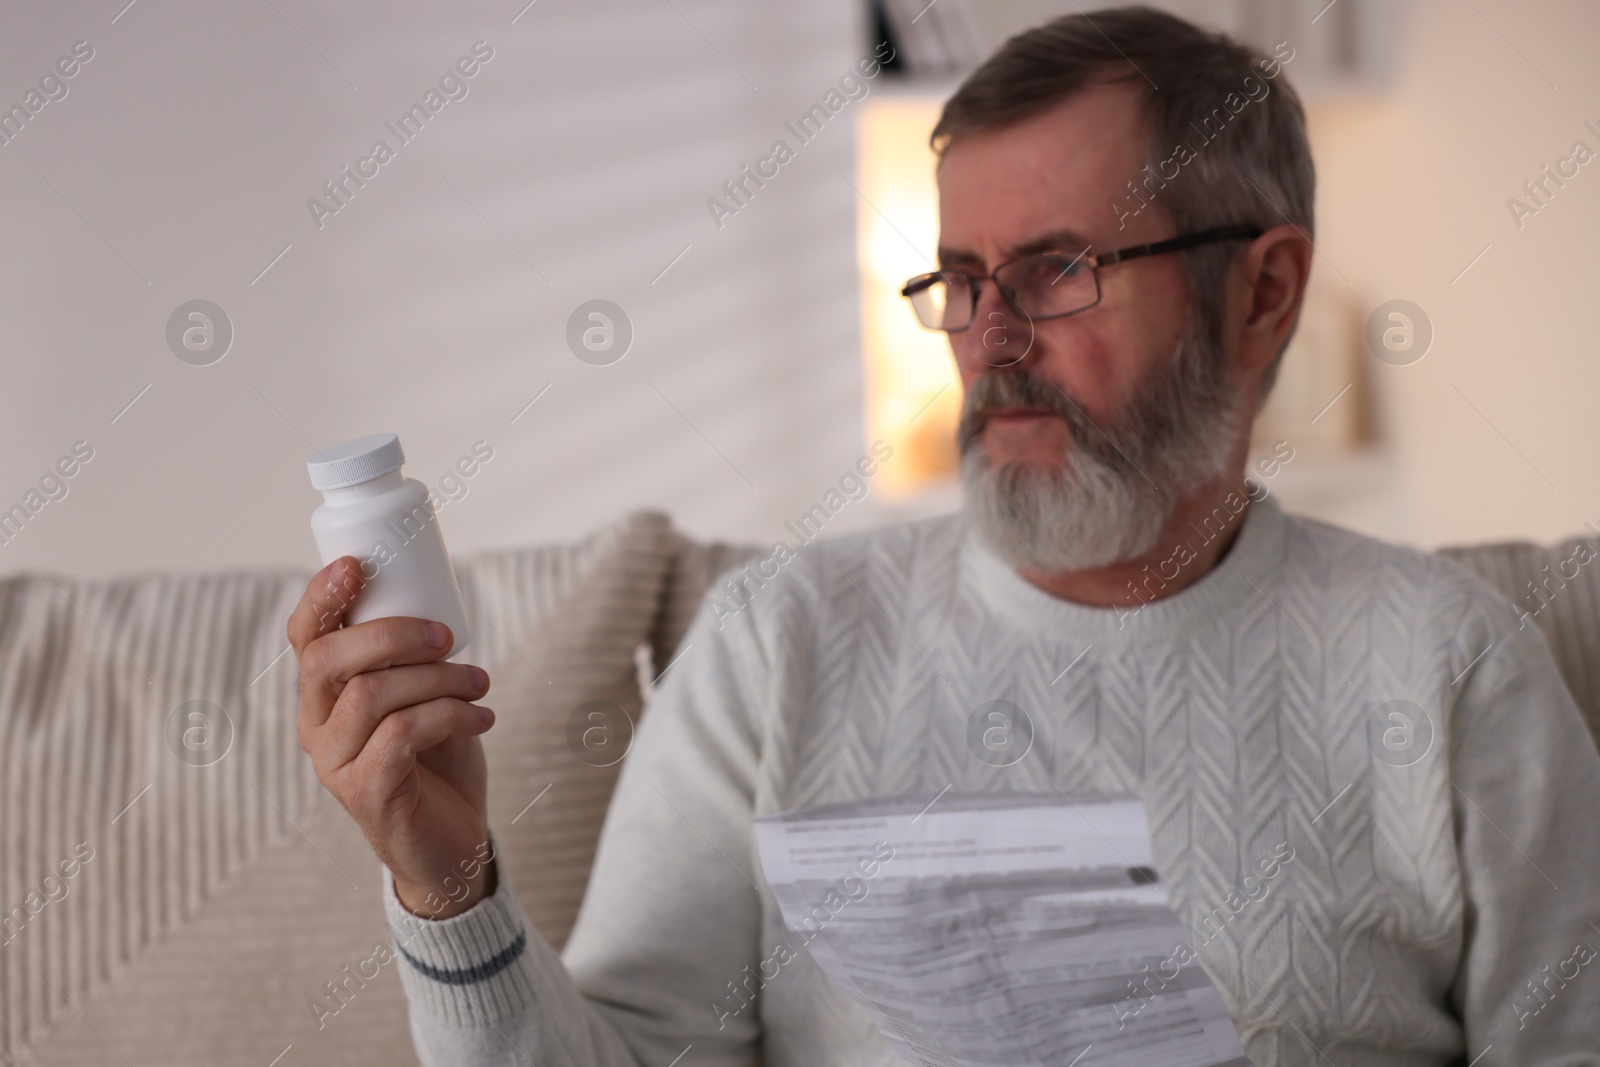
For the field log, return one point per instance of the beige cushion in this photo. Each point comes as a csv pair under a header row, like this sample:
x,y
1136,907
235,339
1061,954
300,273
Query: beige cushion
x,y
215,909
696,567
1566,609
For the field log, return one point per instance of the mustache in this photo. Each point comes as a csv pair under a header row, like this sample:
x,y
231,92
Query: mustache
x,y
997,390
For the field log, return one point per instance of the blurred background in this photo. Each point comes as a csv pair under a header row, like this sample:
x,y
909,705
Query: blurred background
x,y
211,269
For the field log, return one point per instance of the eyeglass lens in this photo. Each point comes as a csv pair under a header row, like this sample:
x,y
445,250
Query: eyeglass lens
x,y
1039,286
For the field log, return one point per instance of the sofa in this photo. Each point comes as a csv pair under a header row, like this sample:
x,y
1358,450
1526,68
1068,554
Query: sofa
x,y
178,888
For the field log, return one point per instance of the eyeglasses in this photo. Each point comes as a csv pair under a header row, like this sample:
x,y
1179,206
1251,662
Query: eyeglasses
x,y
1047,285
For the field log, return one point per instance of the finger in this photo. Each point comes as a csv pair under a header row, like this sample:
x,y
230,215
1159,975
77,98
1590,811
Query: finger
x,y
391,754
319,612
328,663
322,606
369,698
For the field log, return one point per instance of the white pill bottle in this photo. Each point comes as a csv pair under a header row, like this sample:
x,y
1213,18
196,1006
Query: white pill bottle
x,y
374,513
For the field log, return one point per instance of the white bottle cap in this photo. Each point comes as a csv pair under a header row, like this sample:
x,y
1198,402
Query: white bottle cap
x,y
353,462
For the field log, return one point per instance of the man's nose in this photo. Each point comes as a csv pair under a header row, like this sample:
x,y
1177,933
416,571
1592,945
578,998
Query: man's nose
x,y
998,337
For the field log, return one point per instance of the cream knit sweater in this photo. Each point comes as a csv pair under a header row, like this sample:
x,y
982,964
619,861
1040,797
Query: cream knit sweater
x,y
1443,899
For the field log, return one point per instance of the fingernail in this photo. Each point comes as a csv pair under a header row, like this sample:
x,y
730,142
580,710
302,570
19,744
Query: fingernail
x,y
335,575
487,715
438,634
480,677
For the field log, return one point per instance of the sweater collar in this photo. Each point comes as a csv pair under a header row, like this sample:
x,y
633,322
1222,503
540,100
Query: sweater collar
x,y
1241,575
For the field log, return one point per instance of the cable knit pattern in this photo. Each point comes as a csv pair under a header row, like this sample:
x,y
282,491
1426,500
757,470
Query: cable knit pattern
x,y
1428,886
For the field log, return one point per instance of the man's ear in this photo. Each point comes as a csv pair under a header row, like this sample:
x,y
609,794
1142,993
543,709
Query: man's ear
x,y
1275,267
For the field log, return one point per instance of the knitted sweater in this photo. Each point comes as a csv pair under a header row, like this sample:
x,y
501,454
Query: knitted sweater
x,y
1443,895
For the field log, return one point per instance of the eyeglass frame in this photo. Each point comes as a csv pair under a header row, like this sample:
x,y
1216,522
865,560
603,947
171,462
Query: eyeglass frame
x,y
1183,242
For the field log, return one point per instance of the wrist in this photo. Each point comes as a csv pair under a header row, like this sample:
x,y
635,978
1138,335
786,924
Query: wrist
x,y
450,897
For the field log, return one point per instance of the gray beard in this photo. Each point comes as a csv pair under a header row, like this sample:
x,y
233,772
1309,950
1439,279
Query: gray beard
x,y
1118,483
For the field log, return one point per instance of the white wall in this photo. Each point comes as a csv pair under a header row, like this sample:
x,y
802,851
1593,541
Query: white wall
x,y
591,141
1492,435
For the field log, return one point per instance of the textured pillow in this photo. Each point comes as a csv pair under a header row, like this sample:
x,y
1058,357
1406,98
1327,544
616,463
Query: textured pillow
x,y
214,902
697,566
1558,589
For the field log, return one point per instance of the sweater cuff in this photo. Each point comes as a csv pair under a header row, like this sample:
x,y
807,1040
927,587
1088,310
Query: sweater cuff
x,y
470,969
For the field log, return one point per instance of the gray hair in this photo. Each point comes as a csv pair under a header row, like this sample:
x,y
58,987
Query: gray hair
x,y
1248,164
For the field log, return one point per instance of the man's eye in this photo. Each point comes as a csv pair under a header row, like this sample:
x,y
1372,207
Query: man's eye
x,y
1064,266
1041,272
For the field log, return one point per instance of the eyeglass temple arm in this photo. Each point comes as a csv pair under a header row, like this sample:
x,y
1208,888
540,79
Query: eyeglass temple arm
x,y
1178,244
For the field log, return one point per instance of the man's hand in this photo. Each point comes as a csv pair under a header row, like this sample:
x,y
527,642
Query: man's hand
x,y
393,734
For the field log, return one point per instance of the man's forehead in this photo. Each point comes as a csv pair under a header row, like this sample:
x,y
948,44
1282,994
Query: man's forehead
x,y
1050,239
1048,182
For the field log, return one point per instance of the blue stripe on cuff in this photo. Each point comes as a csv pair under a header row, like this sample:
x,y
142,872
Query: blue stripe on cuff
x,y
478,972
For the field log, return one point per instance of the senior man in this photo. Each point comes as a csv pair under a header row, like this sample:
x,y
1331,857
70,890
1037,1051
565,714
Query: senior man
x,y
1126,220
